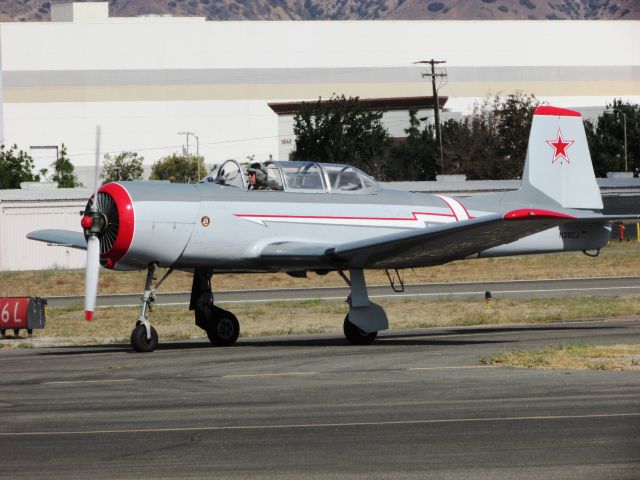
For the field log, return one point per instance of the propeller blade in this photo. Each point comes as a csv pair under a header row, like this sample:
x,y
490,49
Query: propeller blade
x,y
97,170
91,279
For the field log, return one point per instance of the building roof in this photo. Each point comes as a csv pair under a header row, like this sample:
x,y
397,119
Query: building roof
x,y
45,194
385,104
607,186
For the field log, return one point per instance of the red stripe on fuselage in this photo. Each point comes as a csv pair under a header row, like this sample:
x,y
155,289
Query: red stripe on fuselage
x,y
448,206
451,201
335,217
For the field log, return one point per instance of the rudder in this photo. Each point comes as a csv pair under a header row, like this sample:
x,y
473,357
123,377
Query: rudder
x,y
558,163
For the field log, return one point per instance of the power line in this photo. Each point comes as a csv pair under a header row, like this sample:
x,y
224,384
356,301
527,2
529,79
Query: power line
x,y
176,147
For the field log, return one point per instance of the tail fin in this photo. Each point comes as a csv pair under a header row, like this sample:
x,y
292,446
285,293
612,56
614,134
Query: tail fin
x,y
558,163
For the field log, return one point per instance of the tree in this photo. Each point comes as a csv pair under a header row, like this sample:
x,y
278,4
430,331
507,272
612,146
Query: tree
x,y
178,168
606,138
16,166
468,146
124,166
341,130
415,157
514,115
492,142
63,171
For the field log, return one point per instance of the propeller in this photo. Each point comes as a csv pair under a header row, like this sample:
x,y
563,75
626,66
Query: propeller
x,y
91,278
93,223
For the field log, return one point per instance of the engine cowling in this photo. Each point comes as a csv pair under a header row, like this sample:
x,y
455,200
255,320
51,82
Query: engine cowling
x,y
144,222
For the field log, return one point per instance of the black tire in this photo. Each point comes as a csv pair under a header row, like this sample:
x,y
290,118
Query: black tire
x,y
225,330
139,340
355,335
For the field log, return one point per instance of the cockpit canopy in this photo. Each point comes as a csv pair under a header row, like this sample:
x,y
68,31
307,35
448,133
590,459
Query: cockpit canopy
x,y
300,177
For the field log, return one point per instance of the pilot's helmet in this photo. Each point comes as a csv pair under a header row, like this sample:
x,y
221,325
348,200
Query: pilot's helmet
x,y
259,170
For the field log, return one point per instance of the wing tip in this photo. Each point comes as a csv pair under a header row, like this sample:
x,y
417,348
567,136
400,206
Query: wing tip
x,y
523,213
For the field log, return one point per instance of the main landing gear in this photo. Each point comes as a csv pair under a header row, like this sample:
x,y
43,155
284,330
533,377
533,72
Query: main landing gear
x,y
361,325
222,326
365,318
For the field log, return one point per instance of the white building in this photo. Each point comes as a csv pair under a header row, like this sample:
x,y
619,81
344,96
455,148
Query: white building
x,y
146,79
23,211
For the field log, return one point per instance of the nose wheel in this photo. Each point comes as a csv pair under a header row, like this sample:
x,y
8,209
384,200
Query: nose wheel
x,y
139,340
144,337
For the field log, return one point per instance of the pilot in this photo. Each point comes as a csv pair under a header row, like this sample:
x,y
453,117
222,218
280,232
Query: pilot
x,y
257,177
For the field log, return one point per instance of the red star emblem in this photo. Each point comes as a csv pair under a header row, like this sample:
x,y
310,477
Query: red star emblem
x,y
560,146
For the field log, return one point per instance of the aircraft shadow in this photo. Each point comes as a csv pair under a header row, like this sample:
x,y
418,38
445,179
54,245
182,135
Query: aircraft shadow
x,y
425,338
293,342
506,329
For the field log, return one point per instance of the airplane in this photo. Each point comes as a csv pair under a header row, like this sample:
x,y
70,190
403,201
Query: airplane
x,y
322,217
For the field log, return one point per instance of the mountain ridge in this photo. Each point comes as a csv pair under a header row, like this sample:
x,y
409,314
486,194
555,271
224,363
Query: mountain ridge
x,y
40,10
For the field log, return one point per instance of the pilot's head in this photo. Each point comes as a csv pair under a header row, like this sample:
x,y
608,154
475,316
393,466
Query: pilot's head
x,y
258,172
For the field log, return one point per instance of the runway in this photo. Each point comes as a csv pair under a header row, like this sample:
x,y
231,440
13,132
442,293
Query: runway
x,y
605,286
415,404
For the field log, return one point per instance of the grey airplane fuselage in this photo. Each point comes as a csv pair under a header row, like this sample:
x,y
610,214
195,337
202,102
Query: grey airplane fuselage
x,y
225,228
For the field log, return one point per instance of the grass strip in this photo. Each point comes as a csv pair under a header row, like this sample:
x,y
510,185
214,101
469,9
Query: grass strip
x,y
572,357
617,259
113,325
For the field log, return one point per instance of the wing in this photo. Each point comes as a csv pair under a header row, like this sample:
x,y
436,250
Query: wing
x,y
61,238
432,246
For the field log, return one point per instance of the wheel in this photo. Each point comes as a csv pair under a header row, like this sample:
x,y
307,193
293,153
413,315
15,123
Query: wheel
x,y
225,330
139,340
357,336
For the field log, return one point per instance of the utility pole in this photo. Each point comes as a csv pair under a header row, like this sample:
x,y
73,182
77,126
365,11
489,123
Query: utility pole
x,y
436,104
197,150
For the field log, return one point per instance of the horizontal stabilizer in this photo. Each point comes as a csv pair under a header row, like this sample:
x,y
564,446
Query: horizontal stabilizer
x,y
620,218
62,238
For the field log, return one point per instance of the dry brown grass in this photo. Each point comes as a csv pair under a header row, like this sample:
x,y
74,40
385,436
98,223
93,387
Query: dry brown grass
x,y
67,325
615,260
114,324
573,357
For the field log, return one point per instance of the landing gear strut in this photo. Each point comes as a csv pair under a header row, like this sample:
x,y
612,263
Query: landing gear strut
x,y
144,337
365,318
222,326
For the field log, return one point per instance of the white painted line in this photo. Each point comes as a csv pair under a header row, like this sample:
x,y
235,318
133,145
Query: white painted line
x,y
461,367
171,304
108,295
624,277
493,292
250,375
76,382
323,425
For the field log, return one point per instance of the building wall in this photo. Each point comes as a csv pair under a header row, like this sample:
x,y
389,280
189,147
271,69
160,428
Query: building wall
x,y
19,218
145,79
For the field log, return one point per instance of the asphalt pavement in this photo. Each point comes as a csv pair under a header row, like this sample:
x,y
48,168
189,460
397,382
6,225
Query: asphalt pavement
x,y
606,286
415,404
